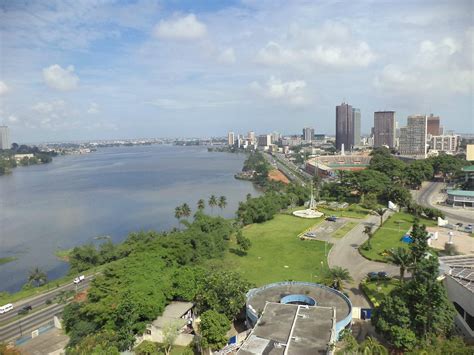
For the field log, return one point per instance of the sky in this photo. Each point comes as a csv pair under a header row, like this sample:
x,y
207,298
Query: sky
x,y
104,69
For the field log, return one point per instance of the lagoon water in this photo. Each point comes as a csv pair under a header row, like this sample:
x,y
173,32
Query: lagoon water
x,y
112,192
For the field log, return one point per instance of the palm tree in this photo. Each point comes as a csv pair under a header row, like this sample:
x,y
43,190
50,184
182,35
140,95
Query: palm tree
x,y
337,275
201,204
373,347
178,213
402,258
380,212
368,232
212,202
248,197
185,210
222,202
37,277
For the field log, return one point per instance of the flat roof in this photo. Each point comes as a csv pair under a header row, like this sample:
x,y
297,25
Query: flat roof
x,y
465,193
460,268
304,330
469,168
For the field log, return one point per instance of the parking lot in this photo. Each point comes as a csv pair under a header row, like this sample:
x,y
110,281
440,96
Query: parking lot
x,y
324,230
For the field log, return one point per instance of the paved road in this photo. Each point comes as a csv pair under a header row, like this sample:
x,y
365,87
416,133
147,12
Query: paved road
x,y
345,253
41,299
425,197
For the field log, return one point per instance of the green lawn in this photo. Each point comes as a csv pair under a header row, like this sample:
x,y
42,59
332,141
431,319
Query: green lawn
x,y
377,290
390,234
346,228
277,254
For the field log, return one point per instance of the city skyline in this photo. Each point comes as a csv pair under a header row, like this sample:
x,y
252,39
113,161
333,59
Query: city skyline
x,y
81,70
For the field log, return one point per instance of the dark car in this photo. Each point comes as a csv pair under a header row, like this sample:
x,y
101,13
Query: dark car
x,y
25,309
331,219
459,224
382,275
372,276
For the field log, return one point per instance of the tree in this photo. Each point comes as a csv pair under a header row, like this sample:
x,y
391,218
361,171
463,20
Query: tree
x,y
213,328
126,316
243,242
37,277
399,195
178,212
212,202
170,333
248,196
373,347
222,202
146,347
402,258
201,204
337,275
369,234
380,211
185,210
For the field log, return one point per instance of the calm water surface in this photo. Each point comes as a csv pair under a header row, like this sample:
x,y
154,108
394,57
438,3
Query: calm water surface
x,y
109,192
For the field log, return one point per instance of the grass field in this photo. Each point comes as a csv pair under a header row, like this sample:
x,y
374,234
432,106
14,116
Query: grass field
x,y
346,228
276,253
390,234
377,290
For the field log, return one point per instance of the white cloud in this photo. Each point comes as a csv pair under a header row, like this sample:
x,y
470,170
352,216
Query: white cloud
x,y
227,56
61,79
291,92
93,108
12,119
181,28
3,88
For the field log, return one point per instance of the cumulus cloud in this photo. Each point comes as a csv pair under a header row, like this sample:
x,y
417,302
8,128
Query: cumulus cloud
x,y
291,92
181,28
3,88
227,56
60,79
93,109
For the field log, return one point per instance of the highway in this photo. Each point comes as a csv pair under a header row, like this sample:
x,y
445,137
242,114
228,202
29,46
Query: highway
x,y
425,196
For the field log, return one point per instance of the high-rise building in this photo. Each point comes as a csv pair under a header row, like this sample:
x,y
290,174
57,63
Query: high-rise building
x,y
433,126
276,137
264,140
251,137
308,134
344,126
230,138
356,124
4,137
384,129
413,137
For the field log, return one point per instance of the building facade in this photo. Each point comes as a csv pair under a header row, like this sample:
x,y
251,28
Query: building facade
x,y
308,134
433,126
384,129
4,137
445,143
251,137
264,140
344,126
230,138
356,124
413,137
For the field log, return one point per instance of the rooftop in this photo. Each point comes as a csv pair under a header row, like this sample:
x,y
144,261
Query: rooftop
x,y
173,313
466,193
469,169
460,268
301,329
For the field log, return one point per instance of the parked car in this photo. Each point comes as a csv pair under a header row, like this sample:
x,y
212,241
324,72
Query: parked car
x,y
331,219
79,279
372,276
310,234
25,309
459,224
383,275
6,308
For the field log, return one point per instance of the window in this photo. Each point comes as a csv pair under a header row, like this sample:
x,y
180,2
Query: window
x,y
470,321
459,309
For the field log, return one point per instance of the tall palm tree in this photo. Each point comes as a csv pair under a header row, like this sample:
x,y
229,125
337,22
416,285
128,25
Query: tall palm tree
x,y
37,277
185,210
201,204
178,213
337,275
222,202
402,258
368,232
248,197
212,202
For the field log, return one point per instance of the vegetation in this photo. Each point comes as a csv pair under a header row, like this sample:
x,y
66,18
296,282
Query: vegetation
x,y
419,308
37,277
8,161
350,346
376,291
336,276
402,258
213,329
276,253
7,259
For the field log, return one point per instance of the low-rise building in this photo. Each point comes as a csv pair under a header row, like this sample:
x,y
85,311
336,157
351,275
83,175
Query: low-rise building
x,y
19,157
445,143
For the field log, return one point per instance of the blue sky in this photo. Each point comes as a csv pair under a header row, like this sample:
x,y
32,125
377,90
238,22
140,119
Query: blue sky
x,y
91,69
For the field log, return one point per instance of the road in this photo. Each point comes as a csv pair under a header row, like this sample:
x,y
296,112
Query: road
x,y
41,299
425,197
345,253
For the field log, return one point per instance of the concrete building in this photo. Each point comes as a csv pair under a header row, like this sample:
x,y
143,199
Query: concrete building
x,y
356,128
4,137
433,126
445,143
413,137
264,140
231,138
276,137
458,278
308,134
384,129
344,126
251,138
470,152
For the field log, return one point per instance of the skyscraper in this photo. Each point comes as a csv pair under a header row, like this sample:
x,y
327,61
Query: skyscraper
x,y
251,137
413,136
4,137
344,126
384,129
230,138
356,124
433,126
308,134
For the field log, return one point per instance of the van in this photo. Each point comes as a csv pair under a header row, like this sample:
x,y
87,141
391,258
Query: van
x,y
4,309
79,279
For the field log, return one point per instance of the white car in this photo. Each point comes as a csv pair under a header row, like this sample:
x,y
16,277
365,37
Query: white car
x,y
4,309
79,279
